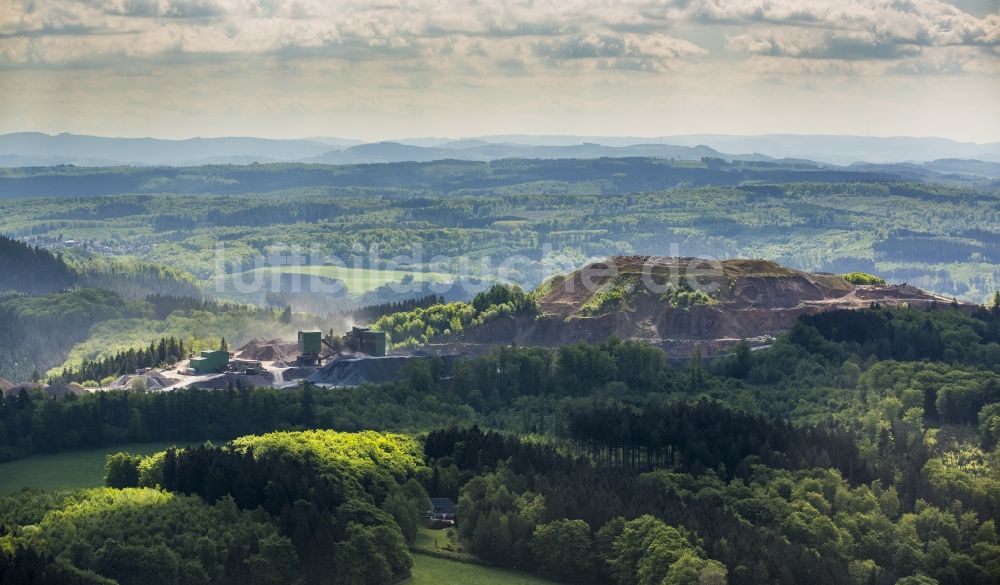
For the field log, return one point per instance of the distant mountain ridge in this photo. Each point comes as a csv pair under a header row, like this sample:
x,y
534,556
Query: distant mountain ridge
x,y
69,148
826,148
612,175
38,149
482,151
844,150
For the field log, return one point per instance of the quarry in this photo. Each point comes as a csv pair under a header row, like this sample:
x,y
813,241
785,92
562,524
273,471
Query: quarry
x,y
685,306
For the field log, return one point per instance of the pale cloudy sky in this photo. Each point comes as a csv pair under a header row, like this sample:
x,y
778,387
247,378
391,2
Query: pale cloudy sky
x,y
393,68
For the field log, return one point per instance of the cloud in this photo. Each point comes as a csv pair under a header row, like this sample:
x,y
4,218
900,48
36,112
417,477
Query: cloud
x,y
168,8
651,52
67,30
914,22
817,44
904,37
562,34
516,37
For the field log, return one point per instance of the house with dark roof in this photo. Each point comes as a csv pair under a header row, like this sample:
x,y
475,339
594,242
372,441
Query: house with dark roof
x,y
441,510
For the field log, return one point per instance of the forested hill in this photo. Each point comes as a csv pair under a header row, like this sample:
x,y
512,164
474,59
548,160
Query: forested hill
x,y
31,270
615,176
861,448
48,303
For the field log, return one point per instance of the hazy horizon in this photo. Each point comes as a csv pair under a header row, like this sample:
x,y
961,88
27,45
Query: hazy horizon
x,y
304,68
361,140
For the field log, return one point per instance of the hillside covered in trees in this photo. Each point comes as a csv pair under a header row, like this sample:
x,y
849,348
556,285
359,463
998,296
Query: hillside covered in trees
x,y
73,330
49,303
859,448
618,174
280,508
939,235
30,270
501,292
862,447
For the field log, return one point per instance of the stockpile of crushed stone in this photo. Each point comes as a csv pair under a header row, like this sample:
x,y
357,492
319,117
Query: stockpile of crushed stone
x,y
60,389
358,369
265,380
299,373
354,371
268,351
56,390
27,387
149,381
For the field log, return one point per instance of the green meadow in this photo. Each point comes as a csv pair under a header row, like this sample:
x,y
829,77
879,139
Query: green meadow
x,y
428,570
357,280
72,469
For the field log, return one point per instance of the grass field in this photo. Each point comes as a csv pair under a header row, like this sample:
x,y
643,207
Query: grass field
x,y
357,280
428,570
431,540
70,469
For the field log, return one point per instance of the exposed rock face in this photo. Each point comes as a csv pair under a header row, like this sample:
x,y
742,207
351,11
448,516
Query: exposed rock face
x,y
686,304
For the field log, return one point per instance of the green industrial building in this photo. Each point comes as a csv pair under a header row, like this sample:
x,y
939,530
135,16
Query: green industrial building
x,y
310,342
210,362
365,340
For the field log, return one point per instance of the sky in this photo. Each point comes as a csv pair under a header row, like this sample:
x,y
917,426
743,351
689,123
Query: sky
x,y
387,69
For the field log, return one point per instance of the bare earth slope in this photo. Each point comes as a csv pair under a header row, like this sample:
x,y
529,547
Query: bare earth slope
x,y
687,304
